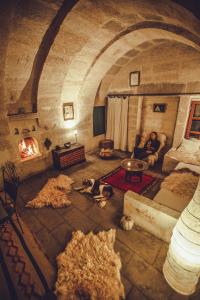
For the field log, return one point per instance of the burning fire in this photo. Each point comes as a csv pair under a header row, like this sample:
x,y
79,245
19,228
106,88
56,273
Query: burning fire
x,y
27,148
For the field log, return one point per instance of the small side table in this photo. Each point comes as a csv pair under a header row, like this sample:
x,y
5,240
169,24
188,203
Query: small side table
x,y
129,174
133,167
67,157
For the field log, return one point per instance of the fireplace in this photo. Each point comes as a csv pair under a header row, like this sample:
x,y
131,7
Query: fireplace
x,y
28,148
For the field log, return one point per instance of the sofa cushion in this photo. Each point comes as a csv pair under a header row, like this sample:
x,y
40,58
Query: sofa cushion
x,y
171,200
193,168
189,158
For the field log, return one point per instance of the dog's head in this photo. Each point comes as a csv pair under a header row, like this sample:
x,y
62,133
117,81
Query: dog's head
x,y
107,191
87,182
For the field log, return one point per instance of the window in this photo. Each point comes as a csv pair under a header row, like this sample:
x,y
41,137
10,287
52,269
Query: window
x,y
193,126
98,120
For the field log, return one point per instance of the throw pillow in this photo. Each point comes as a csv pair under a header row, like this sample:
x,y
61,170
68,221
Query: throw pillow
x,y
190,146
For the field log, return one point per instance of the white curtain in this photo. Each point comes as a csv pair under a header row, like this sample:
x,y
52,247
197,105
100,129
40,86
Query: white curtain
x,y
117,121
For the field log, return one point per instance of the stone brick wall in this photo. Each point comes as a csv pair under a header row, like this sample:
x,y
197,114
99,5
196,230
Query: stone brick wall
x,y
161,122
142,118
134,120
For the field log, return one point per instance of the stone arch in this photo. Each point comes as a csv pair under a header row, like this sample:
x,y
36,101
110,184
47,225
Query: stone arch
x,y
178,30
43,50
88,90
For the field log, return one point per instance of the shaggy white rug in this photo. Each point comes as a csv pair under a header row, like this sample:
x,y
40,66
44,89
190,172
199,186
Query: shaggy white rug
x,y
54,193
89,268
182,182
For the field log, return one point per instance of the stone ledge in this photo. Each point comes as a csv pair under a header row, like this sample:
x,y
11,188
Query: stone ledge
x,y
26,116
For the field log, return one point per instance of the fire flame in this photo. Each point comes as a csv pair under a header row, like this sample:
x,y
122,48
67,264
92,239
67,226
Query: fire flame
x,y
27,148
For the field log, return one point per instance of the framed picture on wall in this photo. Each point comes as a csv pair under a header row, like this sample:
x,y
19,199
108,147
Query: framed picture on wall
x,y
68,111
159,107
134,78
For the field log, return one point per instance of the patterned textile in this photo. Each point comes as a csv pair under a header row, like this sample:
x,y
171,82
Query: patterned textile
x,y
24,277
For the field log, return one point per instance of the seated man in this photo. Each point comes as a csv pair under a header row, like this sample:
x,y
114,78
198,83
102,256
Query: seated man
x,y
150,147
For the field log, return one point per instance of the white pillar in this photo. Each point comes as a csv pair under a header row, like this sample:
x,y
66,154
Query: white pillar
x,y
182,265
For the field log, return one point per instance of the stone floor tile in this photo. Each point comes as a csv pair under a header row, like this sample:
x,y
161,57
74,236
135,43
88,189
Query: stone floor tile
x,y
110,223
196,295
147,279
32,222
61,211
47,216
82,202
77,220
176,296
108,217
117,199
124,252
86,171
127,285
141,242
160,259
63,233
135,294
49,244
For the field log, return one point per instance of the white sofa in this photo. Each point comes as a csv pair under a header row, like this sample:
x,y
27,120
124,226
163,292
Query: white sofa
x,y
187,152
157,216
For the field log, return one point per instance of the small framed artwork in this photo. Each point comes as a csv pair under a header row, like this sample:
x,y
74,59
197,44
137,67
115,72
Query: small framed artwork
x,y
68,111
134,78
159,107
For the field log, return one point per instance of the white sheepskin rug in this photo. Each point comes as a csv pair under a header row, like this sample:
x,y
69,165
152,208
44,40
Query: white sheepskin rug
x,y
182,182
54,193
89,268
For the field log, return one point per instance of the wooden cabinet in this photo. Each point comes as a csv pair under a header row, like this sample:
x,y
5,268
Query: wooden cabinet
x,y
64,158
193,126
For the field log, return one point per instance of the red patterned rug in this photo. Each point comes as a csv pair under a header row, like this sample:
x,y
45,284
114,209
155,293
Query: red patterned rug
x,y
116,178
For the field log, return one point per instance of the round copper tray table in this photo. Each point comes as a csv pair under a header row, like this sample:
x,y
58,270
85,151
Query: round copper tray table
x,y
134,167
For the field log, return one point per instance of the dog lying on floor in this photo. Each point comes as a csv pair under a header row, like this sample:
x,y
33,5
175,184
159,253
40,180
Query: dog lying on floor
x,y
101,192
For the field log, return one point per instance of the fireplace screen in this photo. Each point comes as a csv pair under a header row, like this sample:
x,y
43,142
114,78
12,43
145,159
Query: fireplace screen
x,y
28,148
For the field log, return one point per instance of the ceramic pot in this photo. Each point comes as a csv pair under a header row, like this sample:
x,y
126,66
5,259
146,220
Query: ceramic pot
x,y
127,222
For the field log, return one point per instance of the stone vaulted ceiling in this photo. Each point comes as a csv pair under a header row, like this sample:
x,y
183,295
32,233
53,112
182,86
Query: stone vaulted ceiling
x,y
59,51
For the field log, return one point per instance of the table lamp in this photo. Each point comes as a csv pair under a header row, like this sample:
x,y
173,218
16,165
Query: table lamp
x,y
75,133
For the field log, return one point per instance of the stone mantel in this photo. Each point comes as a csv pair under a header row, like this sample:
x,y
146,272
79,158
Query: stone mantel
x,y
26,116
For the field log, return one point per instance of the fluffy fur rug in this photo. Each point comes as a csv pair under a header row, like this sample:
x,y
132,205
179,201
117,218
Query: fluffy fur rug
x,y
182,182
89,268
54,193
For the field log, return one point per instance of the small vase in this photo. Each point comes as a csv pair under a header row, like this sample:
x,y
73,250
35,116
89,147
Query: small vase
x,y
126,222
